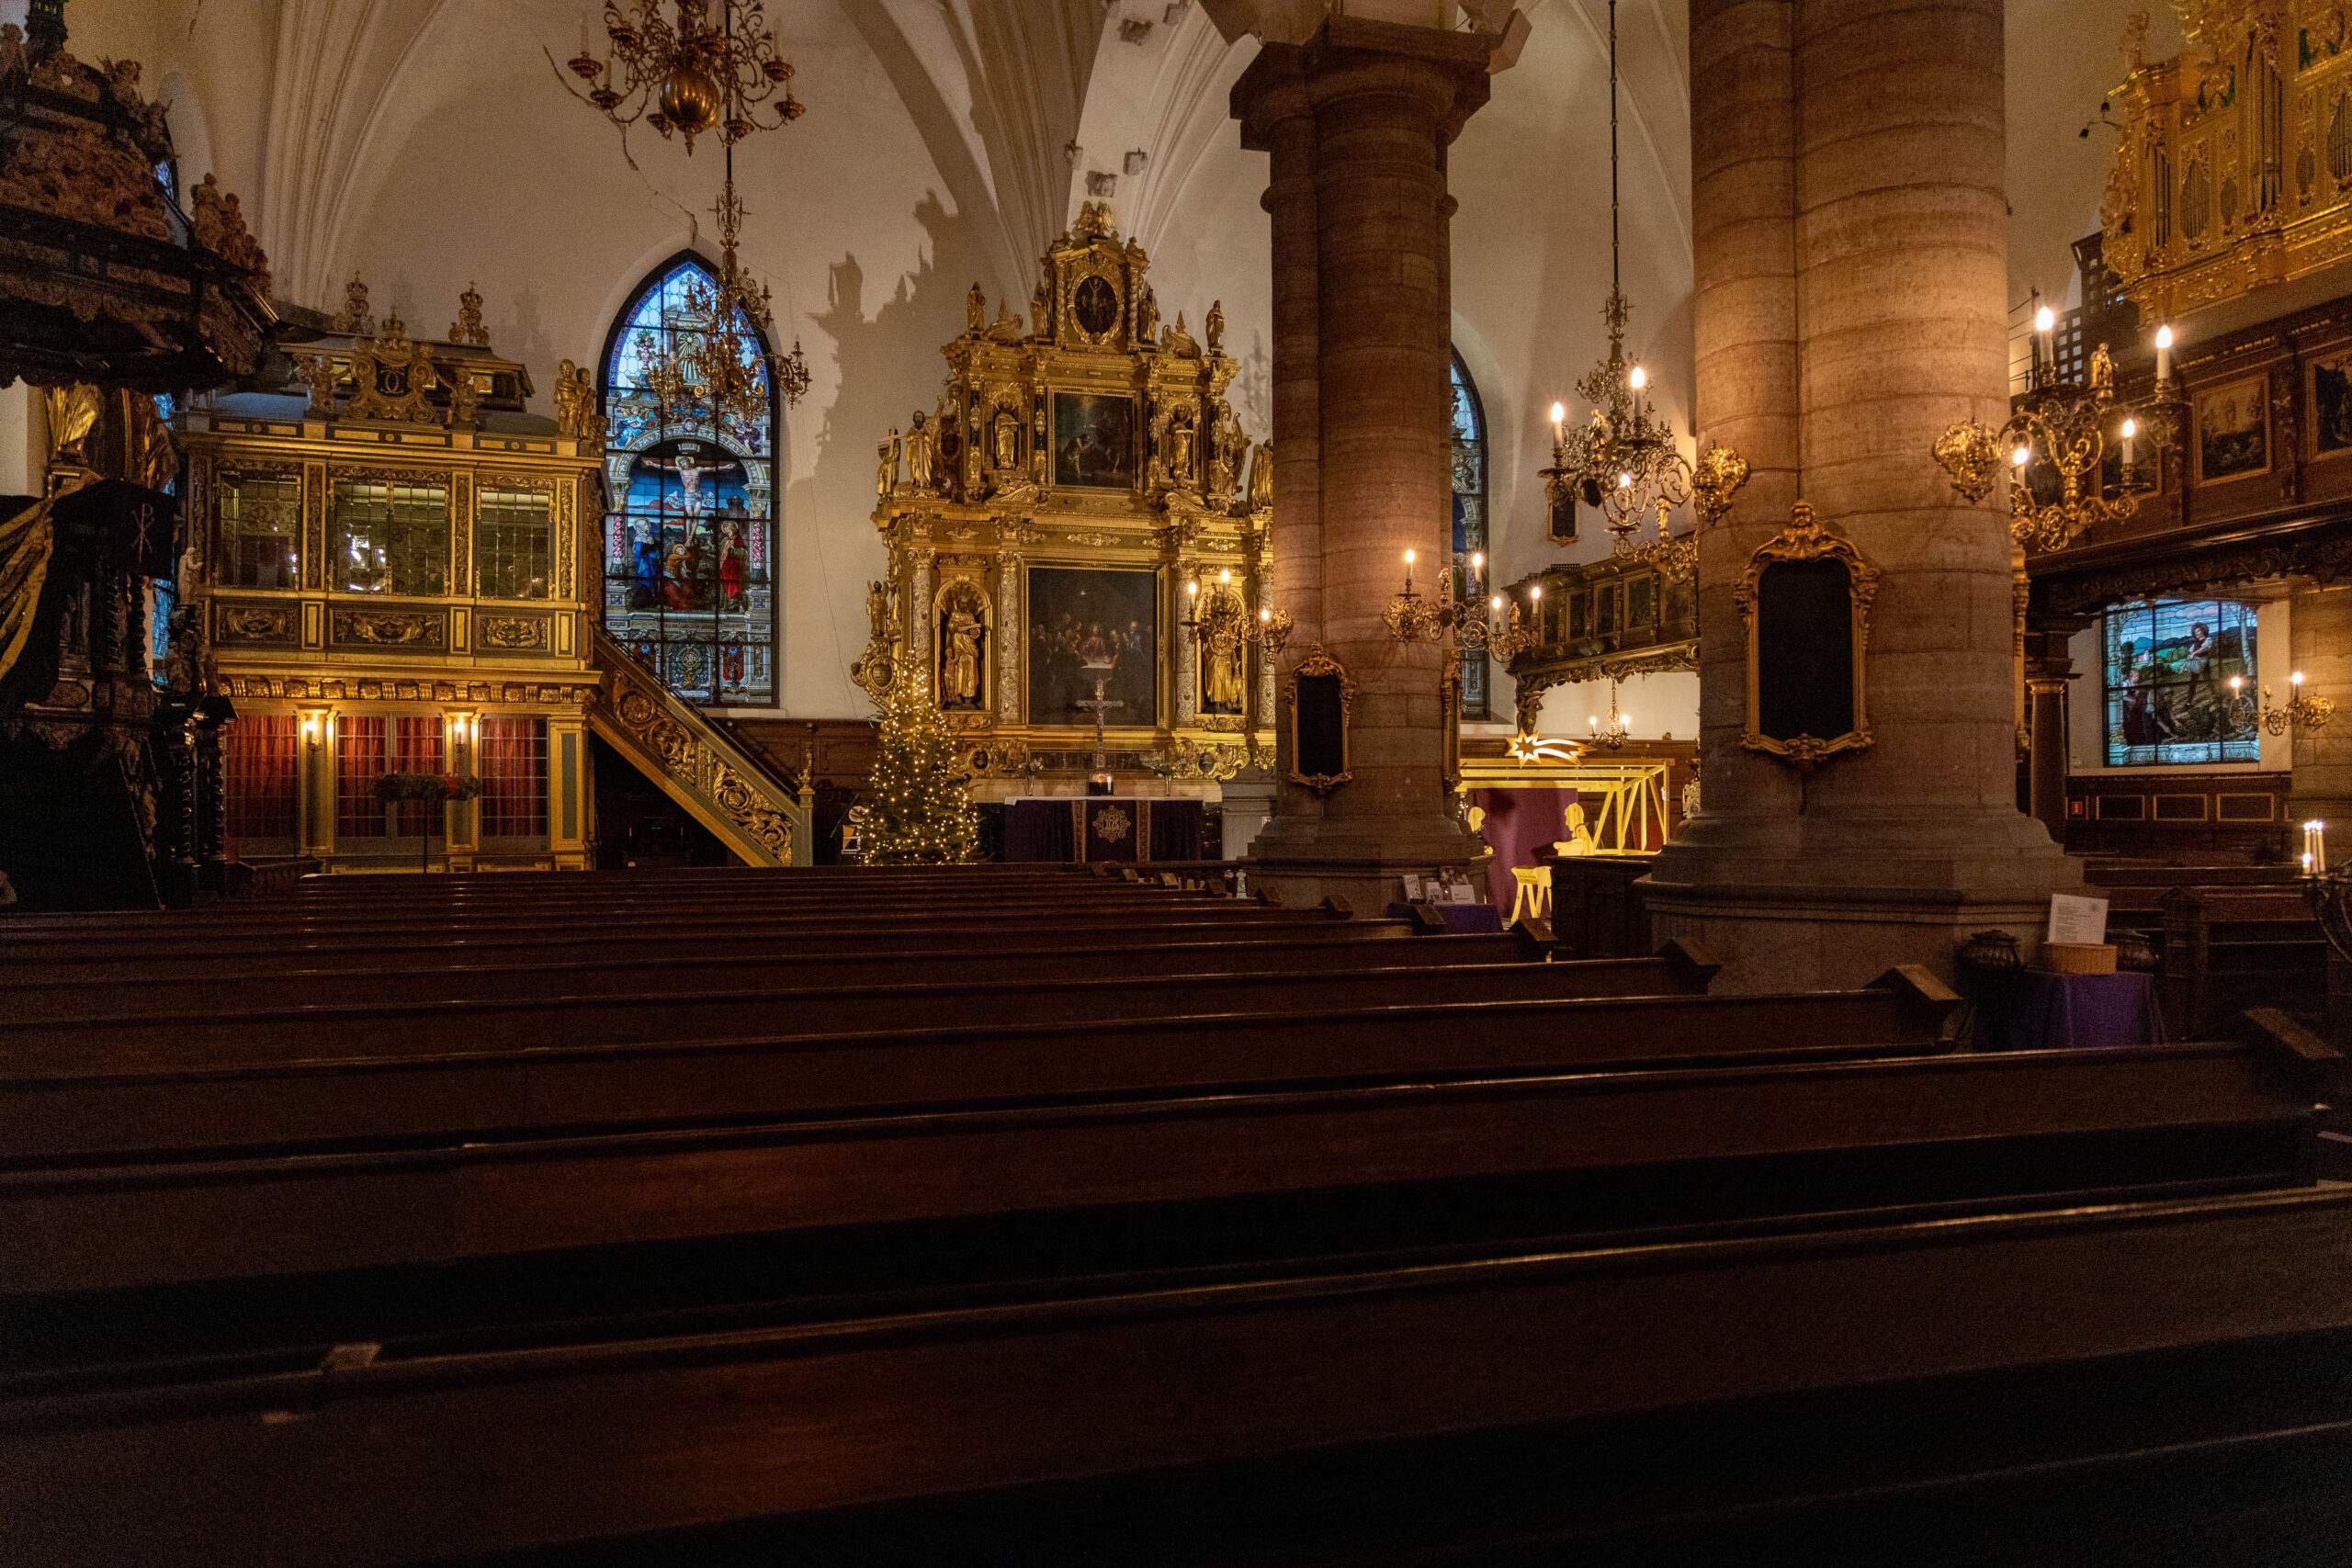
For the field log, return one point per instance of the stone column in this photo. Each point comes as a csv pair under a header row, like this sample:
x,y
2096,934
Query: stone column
x,y
2320,641
1384,99
1895,238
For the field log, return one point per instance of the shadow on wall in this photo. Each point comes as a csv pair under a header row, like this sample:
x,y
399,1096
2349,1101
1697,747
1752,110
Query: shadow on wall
x,y
889,366
1253,389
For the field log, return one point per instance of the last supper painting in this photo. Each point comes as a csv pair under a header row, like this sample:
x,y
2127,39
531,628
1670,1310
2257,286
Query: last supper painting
x,y
1085,624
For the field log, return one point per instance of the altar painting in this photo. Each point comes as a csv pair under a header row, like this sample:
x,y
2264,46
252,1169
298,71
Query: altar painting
x,y
2167,671
1095,442
1080,616
2234,431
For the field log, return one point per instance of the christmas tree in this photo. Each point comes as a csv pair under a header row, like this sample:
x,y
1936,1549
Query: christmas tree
x,y
918,805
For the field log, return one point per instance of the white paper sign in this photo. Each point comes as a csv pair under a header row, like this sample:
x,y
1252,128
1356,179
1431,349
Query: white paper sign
x,y
1412,888
2078,921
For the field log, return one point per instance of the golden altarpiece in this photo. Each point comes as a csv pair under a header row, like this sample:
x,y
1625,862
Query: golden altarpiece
x,y
392,567
1072,510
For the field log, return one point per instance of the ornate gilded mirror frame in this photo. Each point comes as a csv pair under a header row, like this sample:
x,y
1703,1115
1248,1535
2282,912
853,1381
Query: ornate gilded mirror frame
x,y
1804,542
1332,684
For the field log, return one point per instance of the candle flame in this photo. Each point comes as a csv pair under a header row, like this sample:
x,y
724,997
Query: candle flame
x,y
2131,428
1639,378
1559,412
2164,337
2044,318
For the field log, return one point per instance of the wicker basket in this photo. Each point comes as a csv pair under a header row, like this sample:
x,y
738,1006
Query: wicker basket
x,y
2079,957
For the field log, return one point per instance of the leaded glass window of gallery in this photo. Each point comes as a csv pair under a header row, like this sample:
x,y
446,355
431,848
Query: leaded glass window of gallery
x,y
511,536
690,540
2167,666
390,537
260,514
1469,522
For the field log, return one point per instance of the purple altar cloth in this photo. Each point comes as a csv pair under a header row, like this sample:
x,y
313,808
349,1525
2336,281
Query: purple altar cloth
x,y
2034,1009
1460,920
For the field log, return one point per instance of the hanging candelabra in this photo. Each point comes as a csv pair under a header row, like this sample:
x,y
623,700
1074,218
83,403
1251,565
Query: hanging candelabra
x,y
1222,622
723,369
2067,428
1625,463
689,76
1411,616
1613,738
2302,712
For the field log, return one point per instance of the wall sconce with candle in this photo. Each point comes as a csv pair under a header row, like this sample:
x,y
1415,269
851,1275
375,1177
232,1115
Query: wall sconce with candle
x,y
2309,714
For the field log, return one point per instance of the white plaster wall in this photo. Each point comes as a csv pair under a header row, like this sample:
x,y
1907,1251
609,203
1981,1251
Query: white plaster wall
x,y
2086,704
1662,707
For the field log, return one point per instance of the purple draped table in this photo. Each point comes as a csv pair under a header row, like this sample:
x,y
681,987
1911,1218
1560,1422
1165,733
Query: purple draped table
x,y
2035,1009
1102,828
1460,920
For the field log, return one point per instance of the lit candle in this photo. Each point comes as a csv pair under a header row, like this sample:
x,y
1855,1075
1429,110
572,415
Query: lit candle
x,y
1639,378
1191,590
2045,323
1226,576
2022,456
1537,591
2130,429
1266,615
1408,571
1559,416
2164,353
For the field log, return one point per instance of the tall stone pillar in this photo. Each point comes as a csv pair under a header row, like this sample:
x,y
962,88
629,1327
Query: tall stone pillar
x,y
1887,216
1357,120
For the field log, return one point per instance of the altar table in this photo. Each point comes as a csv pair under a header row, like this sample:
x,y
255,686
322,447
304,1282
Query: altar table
x,y
2034,1009
1102,828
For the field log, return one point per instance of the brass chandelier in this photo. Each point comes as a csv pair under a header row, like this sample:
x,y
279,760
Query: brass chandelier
x,y
723,370
690,76
2066,427
1625,464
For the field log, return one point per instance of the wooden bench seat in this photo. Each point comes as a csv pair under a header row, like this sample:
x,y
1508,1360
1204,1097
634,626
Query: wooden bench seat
x,y
382,1462
442,1089
182,1220
632,964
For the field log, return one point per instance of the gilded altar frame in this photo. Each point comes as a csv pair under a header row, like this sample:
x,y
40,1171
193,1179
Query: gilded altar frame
x,y
1086,435
1806,540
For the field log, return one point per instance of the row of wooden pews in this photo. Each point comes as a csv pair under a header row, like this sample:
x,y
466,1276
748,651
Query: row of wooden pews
x,y
1014,1214
2230,937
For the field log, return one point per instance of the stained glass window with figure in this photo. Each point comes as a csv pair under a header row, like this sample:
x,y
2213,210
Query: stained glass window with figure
x,y
2168,664
1470,522
689,543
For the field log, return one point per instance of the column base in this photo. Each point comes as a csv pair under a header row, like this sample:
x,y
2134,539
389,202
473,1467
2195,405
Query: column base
x,y
1362,860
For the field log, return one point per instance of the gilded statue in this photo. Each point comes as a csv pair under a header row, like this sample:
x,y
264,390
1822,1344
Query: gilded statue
x,y
886,471
1228,447
567,400
881,610
73,415
976,311
1179,448
2102,372
1146,315
592,423
1039,310
920,437
1261,480
467,328
1221,675
960,675
1215,325
1175,340
1008,441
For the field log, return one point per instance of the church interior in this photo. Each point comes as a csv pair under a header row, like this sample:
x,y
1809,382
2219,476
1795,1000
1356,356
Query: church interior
x,y
1360,782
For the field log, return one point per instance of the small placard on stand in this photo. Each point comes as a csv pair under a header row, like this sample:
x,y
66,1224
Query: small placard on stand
x,y
2077,942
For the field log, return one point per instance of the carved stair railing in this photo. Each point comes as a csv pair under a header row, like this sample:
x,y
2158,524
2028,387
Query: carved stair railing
x,y
716,781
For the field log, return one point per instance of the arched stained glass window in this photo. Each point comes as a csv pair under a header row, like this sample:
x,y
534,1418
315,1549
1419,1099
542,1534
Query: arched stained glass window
x,y
1469,520
690,541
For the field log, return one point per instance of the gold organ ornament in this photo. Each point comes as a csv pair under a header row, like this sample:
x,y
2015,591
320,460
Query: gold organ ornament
x,y
689,75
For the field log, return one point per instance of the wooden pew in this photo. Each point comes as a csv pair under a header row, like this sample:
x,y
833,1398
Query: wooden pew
x,y
2225,950
1472,1405
2144,1111
448,1091
115,988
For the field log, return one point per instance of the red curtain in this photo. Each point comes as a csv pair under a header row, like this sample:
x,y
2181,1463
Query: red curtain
x,y
513,766
417,749
359,763
260,755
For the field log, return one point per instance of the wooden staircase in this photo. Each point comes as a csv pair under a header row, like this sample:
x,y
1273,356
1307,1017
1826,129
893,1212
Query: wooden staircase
x,y
719,783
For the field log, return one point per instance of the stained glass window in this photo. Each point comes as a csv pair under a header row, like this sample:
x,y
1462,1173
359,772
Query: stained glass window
x,y
689,543
1469,522
2167,666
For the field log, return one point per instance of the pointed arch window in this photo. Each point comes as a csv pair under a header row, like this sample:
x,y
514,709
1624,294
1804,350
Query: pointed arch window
x,y
1469,520
689,539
